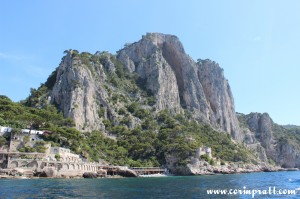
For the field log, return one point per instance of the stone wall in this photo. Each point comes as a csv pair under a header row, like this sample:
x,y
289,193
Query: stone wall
x,y
56,165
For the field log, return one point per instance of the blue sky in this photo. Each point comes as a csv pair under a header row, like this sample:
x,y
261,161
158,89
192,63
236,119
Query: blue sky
x,y
256,42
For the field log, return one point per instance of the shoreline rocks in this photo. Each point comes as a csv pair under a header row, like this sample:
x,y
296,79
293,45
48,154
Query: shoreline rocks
x,y
90,175
50,172
203,168
189,171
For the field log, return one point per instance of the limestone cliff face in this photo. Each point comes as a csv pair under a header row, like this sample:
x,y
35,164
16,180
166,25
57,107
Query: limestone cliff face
x,y
219,97
159,61
262,125
179,82
270,140
78,93
288,155
93,88
146,59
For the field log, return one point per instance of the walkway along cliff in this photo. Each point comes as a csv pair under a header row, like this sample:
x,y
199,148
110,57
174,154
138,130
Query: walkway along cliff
x,y
58,162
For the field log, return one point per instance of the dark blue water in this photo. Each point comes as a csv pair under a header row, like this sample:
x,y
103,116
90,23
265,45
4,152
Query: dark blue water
x,y
162,187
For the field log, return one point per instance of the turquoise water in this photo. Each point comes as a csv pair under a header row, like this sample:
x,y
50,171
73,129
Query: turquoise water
x,y
158,187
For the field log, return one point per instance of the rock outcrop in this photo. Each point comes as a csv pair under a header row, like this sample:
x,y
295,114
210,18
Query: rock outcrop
x,y
161,64
198,166
127,173
90,90
269,140
146,59
78,92
219,97
89,175
46,172
179,82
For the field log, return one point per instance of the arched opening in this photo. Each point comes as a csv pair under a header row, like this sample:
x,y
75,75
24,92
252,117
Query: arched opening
x,y
14,164
65,166
33,164
24,164
58,166
43,165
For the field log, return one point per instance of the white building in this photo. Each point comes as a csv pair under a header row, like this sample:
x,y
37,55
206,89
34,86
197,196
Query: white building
x,y
4,129
32,132
65,154
203,151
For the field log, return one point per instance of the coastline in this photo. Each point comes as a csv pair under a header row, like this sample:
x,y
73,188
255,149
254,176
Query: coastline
x,y
200,167
7,176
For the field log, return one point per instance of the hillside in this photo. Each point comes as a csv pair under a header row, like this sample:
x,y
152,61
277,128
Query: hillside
x,y
279,144
148,144
150,104
154,72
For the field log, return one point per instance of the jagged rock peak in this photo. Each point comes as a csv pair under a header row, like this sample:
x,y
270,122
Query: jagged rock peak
x,y
214,66
147,58
219,97
159,39
76,90
84,83
276,142
179,82
149,44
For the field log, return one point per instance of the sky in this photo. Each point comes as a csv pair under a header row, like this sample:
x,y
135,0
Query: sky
x,y
256,42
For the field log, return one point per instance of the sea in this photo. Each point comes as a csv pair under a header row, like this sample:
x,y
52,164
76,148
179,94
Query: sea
x,y
270,185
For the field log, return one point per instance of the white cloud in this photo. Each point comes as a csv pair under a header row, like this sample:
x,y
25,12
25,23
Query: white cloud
x,y
3,56
12,57
28,64
257,38
36,70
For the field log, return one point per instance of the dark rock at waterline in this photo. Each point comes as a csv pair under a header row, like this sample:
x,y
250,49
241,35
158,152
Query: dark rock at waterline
x,y
49,172
90,175
127,173
101,173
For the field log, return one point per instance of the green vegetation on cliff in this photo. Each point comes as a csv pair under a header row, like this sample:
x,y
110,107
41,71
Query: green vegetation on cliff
x,y
284,134
135,133
145,145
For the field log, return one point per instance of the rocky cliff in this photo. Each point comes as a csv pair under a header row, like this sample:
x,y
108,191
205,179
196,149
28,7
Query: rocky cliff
x,y
78,92
219,97
179,82
131,89
161,67
271,141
